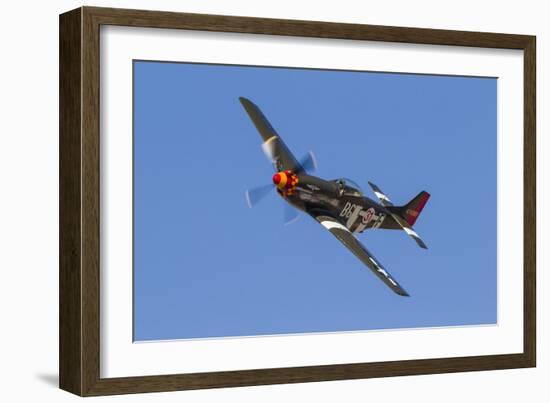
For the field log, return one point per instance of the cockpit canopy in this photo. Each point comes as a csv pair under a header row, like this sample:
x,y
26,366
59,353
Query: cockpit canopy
x,y
349,187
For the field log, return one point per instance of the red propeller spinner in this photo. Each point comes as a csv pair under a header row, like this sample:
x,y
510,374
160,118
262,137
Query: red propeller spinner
x,y
286,182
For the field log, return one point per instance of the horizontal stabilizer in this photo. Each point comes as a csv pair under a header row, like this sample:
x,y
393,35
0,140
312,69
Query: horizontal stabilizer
x,y
384,200
405,216
408,229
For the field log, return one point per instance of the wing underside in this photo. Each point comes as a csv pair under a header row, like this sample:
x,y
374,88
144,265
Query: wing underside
x,y
357,248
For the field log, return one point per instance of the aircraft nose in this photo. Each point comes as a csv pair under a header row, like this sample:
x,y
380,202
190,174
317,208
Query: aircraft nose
x,y
276,179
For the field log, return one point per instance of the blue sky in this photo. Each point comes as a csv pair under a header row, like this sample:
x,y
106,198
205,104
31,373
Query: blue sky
x,y
205,265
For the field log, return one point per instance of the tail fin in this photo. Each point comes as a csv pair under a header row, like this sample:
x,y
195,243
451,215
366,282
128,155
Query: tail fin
x,y
412,209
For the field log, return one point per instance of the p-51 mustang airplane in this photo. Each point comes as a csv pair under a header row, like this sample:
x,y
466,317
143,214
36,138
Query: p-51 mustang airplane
x,y
338,205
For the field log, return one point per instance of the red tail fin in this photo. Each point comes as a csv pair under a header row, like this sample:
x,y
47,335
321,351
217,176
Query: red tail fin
x,y
412,209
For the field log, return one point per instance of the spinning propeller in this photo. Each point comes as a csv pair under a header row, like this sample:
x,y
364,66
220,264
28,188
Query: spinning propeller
x,y
284,181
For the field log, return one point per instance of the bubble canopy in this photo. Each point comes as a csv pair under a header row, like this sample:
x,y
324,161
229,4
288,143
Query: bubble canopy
x,y
350,187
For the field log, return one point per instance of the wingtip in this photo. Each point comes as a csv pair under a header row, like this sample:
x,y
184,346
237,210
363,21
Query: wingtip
x,y
372,185
403,293
422,244
245,101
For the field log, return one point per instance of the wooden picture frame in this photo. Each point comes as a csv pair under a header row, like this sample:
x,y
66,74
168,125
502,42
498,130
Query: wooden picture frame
x,y
79,358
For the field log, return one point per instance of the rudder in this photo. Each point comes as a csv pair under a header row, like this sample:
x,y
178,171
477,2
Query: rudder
x,y
412,209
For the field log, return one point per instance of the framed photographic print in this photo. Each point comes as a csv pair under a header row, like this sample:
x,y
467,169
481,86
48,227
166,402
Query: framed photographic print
x,y
249,201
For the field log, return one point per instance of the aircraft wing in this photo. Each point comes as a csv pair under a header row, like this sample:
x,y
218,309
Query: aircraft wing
x,y
273,146
357,248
